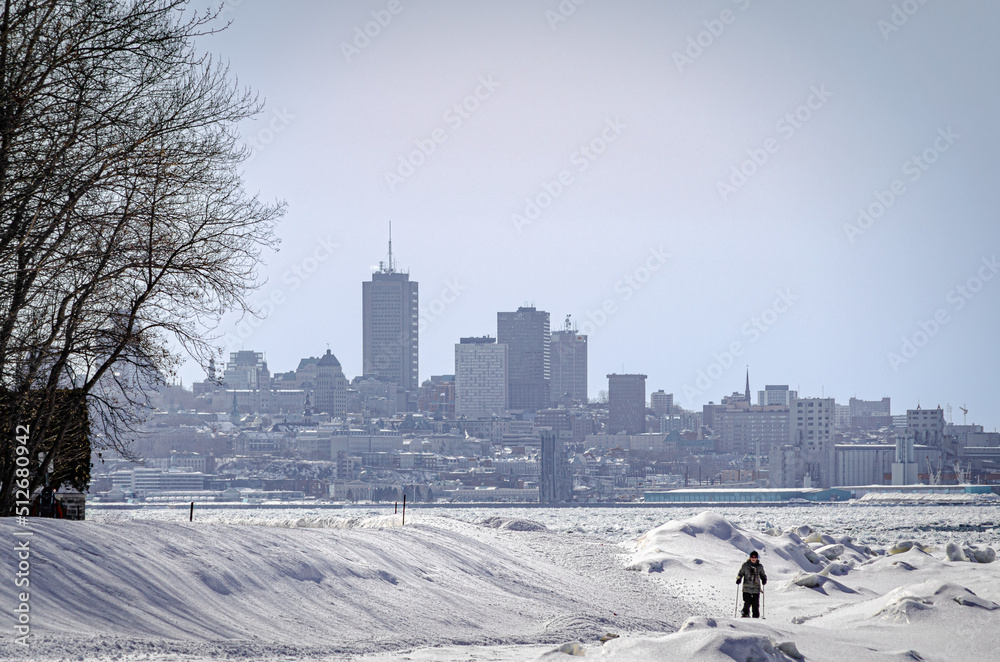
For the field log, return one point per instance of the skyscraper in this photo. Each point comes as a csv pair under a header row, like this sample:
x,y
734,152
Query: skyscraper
x,y
526,334
626,404
569,365
480,377
390,317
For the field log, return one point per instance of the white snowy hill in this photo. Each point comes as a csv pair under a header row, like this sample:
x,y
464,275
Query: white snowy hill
x,y
443,589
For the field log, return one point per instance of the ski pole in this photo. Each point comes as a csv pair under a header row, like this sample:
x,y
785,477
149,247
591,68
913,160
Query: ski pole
x,y
763,602
736,610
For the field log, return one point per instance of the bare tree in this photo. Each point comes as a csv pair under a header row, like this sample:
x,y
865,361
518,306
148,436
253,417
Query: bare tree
x,y
123,220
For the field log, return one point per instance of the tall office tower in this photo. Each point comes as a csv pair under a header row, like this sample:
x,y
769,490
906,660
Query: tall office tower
x,y
389,327
480,377
776,394
526,334
569,365
661,403
870,414
626,404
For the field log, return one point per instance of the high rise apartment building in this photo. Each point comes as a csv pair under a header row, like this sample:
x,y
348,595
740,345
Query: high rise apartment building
x,y
480,377
661,402
751,430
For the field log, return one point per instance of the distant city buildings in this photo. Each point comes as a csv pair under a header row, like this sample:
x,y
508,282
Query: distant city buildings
x,y
246,370
626,403
526,334
661,403
514,423
437,396
752,429
870,414
841,417
481,377
247,382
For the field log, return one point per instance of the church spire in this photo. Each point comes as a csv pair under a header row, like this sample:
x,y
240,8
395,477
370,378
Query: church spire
x,y
747,394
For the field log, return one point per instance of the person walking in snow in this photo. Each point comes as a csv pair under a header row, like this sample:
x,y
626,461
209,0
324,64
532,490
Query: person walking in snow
x,y
753,577
46,504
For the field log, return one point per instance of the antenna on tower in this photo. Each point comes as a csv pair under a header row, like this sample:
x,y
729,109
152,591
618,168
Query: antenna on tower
x,y
391,267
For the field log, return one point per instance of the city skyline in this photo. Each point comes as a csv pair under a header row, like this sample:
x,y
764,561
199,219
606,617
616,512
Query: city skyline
x,y
807,191
388,268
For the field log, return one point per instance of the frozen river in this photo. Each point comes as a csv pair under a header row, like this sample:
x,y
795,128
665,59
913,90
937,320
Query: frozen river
x,y
868,524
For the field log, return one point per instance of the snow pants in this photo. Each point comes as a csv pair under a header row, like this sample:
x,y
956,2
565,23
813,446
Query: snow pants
x,y
751,601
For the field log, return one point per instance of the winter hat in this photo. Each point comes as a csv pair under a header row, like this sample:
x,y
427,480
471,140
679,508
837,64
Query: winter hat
x,y
753,554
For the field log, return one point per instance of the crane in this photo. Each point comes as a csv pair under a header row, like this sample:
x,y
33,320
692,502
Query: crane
x,y
965,414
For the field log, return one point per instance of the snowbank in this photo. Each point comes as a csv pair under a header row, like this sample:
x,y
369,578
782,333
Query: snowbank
x,y
909,602
499,588
308,588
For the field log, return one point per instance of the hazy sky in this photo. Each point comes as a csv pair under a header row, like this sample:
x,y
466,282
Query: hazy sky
x,y
677,176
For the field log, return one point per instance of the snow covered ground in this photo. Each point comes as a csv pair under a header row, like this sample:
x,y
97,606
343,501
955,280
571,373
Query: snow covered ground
x,y
846,583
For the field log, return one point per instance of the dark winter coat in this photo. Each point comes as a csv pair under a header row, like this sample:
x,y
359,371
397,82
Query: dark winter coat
x,y
46,505
752,575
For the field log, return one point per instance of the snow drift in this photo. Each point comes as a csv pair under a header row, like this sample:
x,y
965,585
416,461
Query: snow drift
x,y
497,588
